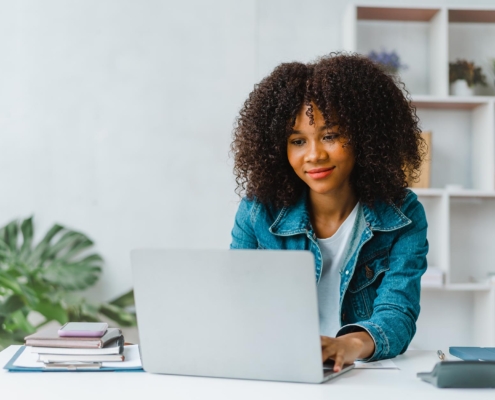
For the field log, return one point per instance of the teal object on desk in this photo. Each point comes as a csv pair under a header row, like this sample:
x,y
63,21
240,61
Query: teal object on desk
x,y
473,353
461,374
13,368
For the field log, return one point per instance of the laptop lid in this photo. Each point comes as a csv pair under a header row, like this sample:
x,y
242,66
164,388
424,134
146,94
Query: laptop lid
x,y
228,313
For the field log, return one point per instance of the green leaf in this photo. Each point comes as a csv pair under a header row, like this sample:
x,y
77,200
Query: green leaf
x,y
90,310
44,278
68,241
11,305
9,235
36,256
27,238
9,338
126,300
4,249
9,282
93,259
76,276
27,294
82,311
83,244
52,311
117,314
19,321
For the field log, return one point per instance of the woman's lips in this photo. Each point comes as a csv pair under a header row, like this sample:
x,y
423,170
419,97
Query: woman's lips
x,y
319,173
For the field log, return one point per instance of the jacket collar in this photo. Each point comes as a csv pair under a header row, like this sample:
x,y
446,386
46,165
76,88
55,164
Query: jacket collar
x,y
293,220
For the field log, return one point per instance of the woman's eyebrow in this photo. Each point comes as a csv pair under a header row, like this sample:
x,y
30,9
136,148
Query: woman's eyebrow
x,y
320,129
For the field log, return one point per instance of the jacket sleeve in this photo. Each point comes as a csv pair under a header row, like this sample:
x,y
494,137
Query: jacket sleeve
x,y
243,236
396,308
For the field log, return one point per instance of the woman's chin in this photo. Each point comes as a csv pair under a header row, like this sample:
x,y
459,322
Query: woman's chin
x,y
324,188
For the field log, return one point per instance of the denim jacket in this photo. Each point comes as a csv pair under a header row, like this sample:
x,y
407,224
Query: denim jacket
x,y
383,263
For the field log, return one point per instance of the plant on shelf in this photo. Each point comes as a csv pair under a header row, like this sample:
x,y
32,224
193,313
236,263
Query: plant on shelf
x,y
389,61
46,278
464,76
492,65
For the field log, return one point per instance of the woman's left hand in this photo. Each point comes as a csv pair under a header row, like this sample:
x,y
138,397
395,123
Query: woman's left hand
x,y
347,348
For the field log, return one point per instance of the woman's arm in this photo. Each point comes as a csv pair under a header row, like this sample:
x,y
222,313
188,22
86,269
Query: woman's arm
x,y
243,236
392,324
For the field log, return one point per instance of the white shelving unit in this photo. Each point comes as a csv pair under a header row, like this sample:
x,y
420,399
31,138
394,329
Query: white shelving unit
x,y
460,205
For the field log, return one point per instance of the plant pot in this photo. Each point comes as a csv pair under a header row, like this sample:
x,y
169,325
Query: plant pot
x,y
461,88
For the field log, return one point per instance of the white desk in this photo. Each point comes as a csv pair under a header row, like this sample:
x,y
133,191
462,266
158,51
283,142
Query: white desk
x,y
363,384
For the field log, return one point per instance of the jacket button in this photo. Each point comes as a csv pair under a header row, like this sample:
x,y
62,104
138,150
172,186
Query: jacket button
x,y
369,272
314,236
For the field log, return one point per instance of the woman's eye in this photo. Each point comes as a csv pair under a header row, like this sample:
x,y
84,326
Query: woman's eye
x,y
298,142
331,137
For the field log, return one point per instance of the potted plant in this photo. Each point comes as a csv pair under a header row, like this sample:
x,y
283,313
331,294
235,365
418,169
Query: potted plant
x,y
464,76
389,61
46,277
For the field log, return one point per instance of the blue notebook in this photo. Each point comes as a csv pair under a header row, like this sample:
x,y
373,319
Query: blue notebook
x,y
13,368
473,353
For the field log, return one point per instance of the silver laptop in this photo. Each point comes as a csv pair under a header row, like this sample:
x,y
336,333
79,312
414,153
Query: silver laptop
x,y
245,314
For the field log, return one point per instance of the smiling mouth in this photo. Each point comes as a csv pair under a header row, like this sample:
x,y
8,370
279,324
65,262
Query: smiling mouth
x,y
319,173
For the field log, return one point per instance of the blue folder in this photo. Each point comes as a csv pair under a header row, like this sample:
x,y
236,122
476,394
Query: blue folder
x,y
473,353
13,368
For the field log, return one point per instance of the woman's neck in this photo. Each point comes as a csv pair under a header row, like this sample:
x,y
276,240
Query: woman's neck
x,y
329,210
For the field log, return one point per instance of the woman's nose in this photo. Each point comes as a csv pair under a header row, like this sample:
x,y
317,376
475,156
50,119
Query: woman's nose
x,y
315,152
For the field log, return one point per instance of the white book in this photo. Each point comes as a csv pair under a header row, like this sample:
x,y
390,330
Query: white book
x,y
68,358
115,347
132,360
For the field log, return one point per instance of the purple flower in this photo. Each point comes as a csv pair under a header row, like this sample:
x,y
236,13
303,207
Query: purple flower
x,y
389,61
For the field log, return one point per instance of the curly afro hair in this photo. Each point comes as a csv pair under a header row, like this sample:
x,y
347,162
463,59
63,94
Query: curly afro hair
x,y
374,115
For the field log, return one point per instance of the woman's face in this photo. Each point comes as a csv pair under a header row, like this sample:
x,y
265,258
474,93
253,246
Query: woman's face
x,y
318,155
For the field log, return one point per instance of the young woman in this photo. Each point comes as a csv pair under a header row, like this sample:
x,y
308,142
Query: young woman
x,y
322,153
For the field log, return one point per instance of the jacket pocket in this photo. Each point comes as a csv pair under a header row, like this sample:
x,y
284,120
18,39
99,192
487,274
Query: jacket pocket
x,y
366,280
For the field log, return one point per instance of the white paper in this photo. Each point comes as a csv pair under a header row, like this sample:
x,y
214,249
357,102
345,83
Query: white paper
x,y
132,359
382,364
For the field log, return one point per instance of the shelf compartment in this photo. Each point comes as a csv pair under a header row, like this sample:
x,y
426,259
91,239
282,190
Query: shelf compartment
x,y
429,192
470,287
436,210
471,35
461,287
471,15
450,102
462,142
464,193
472,239
419,35
396,14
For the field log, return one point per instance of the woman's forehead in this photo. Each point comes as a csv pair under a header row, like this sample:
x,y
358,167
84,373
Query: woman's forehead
x,y
311,115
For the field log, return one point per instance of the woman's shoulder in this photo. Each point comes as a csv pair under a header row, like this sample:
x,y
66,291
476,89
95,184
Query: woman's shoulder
x,y
389,216
411,206
256,212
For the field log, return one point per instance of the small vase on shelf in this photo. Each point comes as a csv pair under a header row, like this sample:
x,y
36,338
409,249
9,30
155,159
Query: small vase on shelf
x,y
461,88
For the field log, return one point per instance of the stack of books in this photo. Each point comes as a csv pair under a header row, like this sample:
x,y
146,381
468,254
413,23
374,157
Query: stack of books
x,y
55,351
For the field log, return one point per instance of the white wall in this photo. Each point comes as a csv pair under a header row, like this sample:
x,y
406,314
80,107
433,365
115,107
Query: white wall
x,y
116,115
116,118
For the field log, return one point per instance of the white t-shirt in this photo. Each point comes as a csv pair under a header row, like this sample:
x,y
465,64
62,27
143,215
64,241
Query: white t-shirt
x,y
332,251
